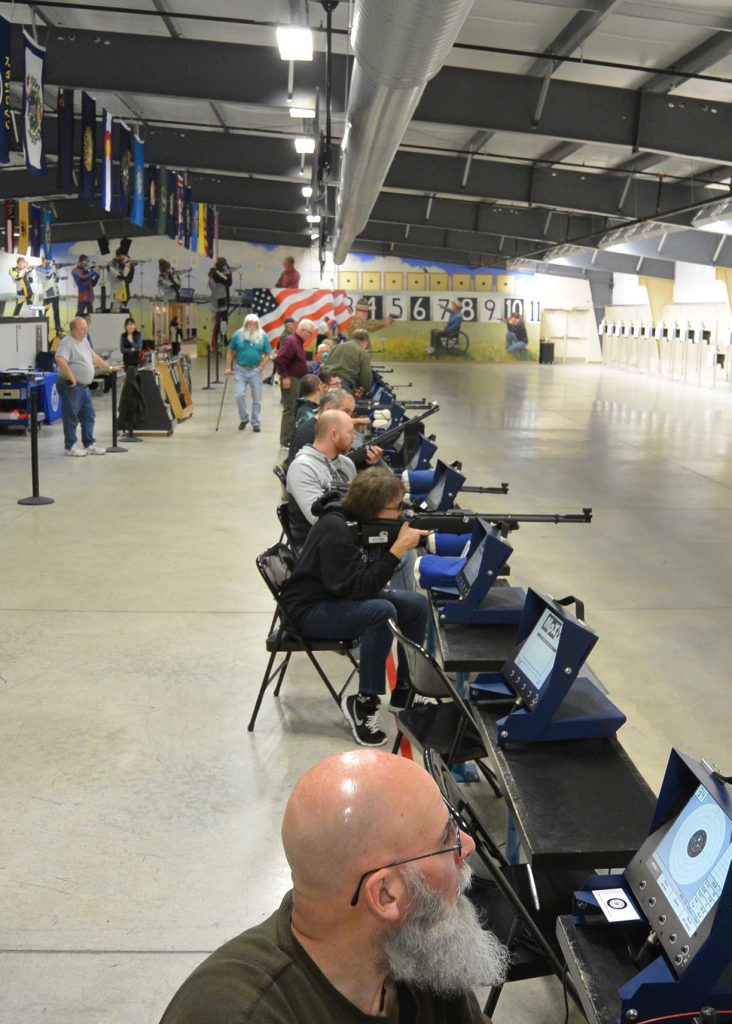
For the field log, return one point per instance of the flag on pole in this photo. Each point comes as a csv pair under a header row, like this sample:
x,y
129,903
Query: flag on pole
x,y
35,55
35,230
171,227
152,198
179,209
23,228
10,210
88,147
46,247
162,224
273,306
124,185
107,190
201,247
138,182
5,122
65,140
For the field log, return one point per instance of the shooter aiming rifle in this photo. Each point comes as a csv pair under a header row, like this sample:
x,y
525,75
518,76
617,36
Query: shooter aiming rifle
x,y
459,521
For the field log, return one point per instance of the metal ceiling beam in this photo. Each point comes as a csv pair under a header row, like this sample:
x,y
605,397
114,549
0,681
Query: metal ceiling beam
x,y
579,112
574,33
710,51
696,16
162,10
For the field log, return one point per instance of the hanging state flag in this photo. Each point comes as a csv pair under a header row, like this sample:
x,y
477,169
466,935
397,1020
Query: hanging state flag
x,y
35,230
5,120
124,182
194,228
88,147
201,248
35,56
210,225
10,210
23,227
46,247
107,126
152,198
137,216
65,140
171,229
179,209
187,216
162,225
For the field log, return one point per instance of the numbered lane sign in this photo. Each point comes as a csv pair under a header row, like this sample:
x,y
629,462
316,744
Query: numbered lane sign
x,y
419,307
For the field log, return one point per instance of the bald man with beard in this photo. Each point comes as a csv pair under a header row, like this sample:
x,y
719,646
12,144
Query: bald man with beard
x,y
376,926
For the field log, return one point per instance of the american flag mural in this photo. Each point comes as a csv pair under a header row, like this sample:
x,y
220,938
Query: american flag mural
x,y
274,305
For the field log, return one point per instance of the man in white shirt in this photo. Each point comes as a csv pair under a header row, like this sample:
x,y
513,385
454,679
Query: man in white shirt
x,y
76,360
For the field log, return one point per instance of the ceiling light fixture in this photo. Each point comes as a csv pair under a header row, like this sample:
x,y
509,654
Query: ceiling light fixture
x,y
313,218
307,191
305,112
304,144
294,42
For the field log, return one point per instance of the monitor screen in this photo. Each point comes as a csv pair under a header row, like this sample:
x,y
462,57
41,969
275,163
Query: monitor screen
x,y
535,660
472,566
691,861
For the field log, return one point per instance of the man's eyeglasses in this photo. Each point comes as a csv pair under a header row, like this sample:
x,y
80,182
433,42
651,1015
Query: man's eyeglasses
x,y
456,825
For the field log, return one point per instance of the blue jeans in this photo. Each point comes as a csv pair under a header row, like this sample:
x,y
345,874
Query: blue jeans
x,y
248,376
76,408
343,620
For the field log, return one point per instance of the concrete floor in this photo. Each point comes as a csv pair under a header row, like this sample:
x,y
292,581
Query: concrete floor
x,y
140,818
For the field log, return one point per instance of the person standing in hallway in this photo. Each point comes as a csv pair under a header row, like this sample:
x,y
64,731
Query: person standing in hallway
x,y
247,354
291,363
76,360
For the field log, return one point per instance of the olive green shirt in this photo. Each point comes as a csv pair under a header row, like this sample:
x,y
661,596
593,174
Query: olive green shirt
x,y
351,361
265,976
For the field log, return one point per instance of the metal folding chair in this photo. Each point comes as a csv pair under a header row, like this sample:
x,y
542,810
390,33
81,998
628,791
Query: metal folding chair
x,y
275,565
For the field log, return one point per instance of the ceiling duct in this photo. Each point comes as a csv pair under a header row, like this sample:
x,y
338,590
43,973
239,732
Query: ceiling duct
x,y
398,48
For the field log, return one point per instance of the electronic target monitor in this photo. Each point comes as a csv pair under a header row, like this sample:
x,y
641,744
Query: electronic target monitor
x,y
469,572
532,663
678,875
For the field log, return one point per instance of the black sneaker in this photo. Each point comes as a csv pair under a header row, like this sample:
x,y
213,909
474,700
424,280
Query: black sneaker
x,y
362,714
243,425
257,430
400,697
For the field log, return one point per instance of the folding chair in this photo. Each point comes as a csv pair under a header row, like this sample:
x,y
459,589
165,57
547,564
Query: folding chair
x,y
507,901
283,514
275,565
448,725
282,477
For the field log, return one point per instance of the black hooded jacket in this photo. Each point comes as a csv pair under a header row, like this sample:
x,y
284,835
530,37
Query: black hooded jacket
x,y
332,564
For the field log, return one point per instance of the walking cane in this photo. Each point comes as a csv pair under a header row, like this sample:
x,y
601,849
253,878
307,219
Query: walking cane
x,y
221,407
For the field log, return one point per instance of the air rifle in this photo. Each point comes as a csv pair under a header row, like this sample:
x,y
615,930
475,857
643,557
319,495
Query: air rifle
x,y
457,520
387,437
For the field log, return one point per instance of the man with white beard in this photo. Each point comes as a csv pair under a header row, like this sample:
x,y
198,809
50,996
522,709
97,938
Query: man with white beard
x,y
247,354
376,926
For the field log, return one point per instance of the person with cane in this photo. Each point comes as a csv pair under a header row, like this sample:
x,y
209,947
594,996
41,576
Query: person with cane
x,y
247,353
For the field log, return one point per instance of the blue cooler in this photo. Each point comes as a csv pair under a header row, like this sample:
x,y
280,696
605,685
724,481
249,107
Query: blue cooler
x,y
49,400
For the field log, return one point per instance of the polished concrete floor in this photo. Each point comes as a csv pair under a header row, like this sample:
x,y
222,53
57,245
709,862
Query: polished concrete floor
x,y
140,824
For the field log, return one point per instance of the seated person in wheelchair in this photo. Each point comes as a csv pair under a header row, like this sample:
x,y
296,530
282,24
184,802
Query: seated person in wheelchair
x,y
450,330
335,593
377,924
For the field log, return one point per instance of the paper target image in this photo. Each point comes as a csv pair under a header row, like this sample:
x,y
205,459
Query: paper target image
x,y
694,858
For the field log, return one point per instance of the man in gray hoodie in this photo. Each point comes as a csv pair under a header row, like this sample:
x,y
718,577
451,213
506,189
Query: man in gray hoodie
x,y
319,467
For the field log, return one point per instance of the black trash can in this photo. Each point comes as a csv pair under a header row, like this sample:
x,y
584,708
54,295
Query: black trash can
x,y
546,352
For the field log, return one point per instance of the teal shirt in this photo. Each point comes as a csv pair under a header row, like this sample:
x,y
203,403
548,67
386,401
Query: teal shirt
x,y
248,353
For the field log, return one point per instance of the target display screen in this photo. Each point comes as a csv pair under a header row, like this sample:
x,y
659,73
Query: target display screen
x,y
471,567
692,860
535,660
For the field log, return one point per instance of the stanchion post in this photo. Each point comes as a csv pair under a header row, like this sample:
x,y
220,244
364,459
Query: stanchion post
x,y
218,348
115,448
208,386
36,498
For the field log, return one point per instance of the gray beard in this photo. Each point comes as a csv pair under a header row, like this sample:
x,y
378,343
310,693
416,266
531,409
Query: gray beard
x,y
252,335
442,948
